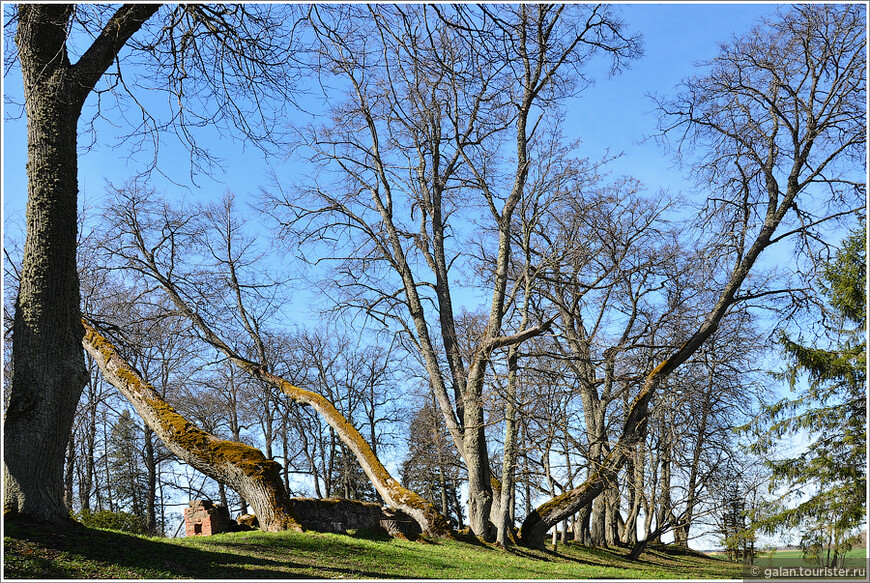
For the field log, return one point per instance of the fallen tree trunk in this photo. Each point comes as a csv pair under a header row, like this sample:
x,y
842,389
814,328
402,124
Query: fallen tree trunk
x,y
243,468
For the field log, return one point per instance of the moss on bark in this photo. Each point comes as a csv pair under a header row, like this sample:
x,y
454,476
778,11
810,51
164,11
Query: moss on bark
x,y
241,467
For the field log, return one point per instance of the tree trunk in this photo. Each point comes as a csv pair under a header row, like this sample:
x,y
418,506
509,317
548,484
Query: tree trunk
x,y
637,549
239,466
90,472
151,478
636,485
681,533
597,522
504,523
222,495
477,462
612,516
663,501
584,534
394,494
48,366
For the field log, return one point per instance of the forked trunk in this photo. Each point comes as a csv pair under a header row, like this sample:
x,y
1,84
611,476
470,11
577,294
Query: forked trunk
x,y
48,365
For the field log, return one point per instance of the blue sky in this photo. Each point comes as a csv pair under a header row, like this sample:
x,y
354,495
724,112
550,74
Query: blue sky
x,y
614,113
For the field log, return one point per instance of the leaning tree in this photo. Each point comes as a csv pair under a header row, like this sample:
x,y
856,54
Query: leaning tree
x,y
439,109
778,122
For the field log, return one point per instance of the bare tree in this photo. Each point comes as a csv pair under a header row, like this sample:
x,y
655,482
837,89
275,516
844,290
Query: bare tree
x,y
360,381
432,95
779,119
241,467
150,239
49,372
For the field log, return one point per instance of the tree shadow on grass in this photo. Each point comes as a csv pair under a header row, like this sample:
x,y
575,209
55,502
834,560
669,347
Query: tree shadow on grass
x,y
80,552
597,556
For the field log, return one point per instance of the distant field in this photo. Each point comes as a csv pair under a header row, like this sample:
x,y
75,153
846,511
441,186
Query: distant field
x,y
788,557
860,553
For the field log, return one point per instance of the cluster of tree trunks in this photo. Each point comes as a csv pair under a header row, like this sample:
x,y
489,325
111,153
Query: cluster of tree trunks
x,y
779,140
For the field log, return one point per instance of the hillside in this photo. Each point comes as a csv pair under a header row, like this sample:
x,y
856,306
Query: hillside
x,y
34,551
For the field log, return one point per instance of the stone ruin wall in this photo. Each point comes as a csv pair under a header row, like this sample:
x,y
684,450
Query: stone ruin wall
x,y
330,515
339,516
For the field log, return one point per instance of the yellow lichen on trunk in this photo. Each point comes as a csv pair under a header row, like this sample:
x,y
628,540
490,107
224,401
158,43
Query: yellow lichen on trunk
x,y
209,450
394,494
239,466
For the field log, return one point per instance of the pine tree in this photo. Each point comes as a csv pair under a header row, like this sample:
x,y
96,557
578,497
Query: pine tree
x,y
433,467
126,464
832,410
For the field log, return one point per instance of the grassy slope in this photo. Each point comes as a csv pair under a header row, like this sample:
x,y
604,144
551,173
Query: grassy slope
x,y
34,551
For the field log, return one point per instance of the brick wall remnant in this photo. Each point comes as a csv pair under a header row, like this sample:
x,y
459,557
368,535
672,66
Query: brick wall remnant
x,y
204,518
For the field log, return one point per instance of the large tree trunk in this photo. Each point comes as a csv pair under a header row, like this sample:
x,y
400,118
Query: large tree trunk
x,y
597,522
48,366
49,373
241,467
583,533
612,517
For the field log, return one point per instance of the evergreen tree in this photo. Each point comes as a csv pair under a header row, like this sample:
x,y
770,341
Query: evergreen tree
x,y
126,464
349,478
433,467
831,409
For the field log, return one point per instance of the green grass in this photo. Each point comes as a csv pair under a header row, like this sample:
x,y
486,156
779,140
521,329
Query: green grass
x,y
36,551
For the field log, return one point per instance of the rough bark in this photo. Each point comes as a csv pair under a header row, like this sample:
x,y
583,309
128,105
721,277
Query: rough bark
x,y
49,372
241,467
